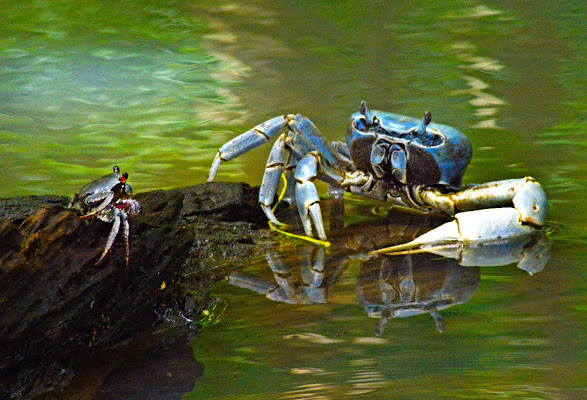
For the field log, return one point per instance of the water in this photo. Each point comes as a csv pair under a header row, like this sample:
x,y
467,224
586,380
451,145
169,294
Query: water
x,y
157,88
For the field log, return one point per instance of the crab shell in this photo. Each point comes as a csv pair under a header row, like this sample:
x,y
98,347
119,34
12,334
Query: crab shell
x,y
439,156
94,193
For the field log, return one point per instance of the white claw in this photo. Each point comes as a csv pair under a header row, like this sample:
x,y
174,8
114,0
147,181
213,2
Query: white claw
x,y
530,201
471,227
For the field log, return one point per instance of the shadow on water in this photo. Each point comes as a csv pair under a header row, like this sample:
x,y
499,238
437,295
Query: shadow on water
x,y
163,373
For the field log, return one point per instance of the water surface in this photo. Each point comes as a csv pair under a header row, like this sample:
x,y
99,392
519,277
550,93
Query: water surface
x,y
157,88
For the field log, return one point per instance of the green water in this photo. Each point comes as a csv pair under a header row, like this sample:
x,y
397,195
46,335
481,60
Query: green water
x,y
157,87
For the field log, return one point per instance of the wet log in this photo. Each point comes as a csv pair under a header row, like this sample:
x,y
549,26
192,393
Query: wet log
x,y
57,306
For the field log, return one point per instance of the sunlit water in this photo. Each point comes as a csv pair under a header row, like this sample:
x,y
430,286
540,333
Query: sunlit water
x,y
158,88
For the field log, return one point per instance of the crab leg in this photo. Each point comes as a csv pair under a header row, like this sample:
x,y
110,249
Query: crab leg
x,y
307,198
290,190
255,137
113,232
305,128
125,235
296,153
273,170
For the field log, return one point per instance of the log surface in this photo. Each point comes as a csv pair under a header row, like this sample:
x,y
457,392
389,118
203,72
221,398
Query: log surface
x,y
57,306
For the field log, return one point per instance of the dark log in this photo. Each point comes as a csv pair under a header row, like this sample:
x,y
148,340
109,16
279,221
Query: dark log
x,y
57,306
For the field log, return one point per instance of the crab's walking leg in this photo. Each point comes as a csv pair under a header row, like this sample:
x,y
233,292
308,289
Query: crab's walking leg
x,y
255,137
127,208
126,235
307,198
274,168
313,139
290,189
113,232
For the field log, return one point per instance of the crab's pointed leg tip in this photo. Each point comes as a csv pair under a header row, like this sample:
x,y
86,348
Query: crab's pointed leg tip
x,y
102,257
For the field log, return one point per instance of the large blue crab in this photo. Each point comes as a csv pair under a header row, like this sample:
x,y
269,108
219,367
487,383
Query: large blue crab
x,y
109,199
408,162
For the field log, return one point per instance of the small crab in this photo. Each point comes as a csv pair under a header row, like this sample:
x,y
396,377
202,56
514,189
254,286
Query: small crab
x,y
411,163
108,199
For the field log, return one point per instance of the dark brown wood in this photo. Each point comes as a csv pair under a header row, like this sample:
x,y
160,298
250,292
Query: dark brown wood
x,y
56,305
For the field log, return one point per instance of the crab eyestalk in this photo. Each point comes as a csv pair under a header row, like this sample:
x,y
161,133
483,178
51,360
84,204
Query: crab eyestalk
x,y
425,122
366,112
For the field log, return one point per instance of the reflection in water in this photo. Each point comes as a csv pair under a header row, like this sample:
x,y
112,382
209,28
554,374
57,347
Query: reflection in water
x,y
403,286
163,373
530,253
395,286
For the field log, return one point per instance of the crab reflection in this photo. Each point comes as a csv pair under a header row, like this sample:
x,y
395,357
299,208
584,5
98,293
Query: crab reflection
x,y
390,286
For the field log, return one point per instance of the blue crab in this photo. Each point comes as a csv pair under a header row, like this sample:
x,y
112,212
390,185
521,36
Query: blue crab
x,y
405,161
108,199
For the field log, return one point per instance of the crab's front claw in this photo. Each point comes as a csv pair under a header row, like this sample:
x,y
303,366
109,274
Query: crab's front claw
x,y
526,195
471,227
530,201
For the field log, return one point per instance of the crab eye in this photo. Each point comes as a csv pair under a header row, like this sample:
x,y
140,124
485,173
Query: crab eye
x,y
360,124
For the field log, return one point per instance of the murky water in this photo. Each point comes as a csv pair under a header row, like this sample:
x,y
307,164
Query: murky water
x,y
156,88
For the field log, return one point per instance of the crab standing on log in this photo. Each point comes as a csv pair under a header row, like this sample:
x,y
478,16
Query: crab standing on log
x,y
408,162
108,199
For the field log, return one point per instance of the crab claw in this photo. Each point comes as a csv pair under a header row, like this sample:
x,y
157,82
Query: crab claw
x,y
471,227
